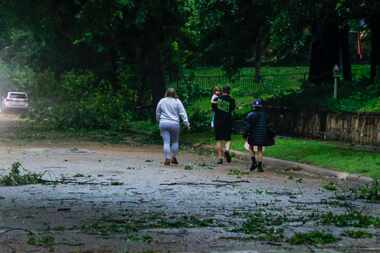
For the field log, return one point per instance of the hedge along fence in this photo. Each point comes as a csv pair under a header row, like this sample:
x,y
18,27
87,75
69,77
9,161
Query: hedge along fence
x,y
355,128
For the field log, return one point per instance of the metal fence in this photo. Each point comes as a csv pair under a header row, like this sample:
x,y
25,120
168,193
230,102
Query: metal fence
x,y
241,81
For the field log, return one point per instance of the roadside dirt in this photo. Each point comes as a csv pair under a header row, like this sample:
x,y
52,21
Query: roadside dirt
x,y
118,198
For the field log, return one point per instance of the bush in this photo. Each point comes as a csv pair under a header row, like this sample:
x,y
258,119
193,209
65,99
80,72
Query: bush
x,y
359,97
192,94
81,102
191,91
199,119
146,128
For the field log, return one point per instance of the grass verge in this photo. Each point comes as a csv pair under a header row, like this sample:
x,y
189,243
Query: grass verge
x,y
329,155
282,81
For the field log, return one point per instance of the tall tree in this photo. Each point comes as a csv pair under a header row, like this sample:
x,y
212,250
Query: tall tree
x,y
369,11
234,33
330,44
104,36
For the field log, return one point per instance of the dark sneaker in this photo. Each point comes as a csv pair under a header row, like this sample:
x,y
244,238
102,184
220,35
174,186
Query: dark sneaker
x,y
167,162
260,167
228,156
220,161
174,161
253,165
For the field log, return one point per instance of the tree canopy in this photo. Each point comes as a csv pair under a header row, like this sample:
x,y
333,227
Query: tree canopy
x,y
138,47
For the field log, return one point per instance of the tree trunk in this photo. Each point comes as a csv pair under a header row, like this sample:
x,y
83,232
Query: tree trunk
x,y
375,52
172,65
325,52
316,54
141,76
112,56
156,76
346,54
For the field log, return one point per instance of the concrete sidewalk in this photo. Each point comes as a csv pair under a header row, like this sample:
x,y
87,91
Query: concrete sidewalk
x,y
301,168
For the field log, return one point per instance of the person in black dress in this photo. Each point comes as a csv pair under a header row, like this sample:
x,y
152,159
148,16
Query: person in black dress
x,y
223,107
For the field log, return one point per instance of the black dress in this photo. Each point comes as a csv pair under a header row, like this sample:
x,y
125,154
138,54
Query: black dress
x,y
256,128
223,121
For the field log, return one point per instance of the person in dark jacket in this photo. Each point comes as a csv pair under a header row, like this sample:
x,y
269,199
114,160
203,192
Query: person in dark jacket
x,y
256,134
223,107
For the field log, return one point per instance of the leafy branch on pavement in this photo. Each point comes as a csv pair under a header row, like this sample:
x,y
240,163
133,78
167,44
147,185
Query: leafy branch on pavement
x,y
18,175
369,192
312,238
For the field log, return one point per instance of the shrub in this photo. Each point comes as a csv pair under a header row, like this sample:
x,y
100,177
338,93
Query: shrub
x,y
191,91
200,120
192,94
81,102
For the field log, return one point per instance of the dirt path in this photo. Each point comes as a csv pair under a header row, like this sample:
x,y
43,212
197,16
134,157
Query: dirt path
x,y
121,199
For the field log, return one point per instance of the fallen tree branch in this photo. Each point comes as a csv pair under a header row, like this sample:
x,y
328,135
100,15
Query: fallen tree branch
x,y
216,183
71,244
8,230
231,182
313,202
190,184
72,181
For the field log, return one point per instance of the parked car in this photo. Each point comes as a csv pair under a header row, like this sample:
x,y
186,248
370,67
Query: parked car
x,y
15,101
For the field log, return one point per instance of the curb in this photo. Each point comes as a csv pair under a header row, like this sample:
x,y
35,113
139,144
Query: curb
x,y
305,169
309,169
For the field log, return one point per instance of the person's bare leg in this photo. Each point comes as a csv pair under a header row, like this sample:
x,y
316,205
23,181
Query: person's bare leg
x,y
227,154
253,159
260,154
227,146
219,151
260,157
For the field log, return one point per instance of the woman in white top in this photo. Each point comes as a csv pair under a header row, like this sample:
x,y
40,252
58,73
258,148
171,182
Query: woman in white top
x,y
169,112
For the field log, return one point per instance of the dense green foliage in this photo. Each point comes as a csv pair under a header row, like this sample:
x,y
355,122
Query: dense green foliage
x,y
128,47
102,64
282,86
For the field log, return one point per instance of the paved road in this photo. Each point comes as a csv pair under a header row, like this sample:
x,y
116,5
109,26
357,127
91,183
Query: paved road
x,y
8,122
116,198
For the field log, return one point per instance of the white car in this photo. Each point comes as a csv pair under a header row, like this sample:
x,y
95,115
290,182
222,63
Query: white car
x,y
15,101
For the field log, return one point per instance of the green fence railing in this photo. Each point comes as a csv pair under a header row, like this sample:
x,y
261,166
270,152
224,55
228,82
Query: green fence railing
x,y
242,81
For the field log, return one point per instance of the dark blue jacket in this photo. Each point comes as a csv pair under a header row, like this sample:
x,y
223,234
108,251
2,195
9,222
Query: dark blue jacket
x,y
256,128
